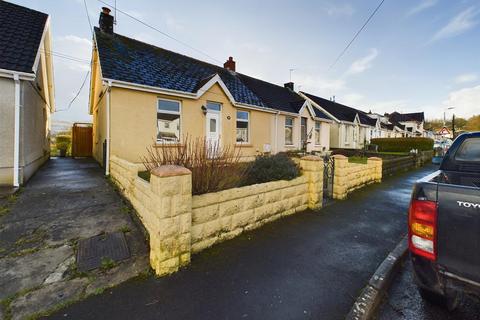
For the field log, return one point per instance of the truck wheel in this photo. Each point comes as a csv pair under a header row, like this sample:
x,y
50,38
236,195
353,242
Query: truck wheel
x,y
450,302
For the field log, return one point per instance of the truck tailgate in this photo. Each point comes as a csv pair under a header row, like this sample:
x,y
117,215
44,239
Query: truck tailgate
x,y
458,237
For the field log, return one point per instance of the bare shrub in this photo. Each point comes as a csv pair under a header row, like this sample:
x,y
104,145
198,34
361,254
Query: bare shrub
x,y
214,167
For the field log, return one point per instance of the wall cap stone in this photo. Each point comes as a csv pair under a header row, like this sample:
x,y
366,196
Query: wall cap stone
x,y
170,171
311,158
374,159
339,156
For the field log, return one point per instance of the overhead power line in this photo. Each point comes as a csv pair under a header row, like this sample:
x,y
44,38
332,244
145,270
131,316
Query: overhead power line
x,y
161,32
78,93
356,35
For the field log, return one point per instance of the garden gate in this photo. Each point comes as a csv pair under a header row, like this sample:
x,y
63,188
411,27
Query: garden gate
x,y
82,140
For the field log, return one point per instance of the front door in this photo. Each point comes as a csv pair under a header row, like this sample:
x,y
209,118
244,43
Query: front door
x,y
213,132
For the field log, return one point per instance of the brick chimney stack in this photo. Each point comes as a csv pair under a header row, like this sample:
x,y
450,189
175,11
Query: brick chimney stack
x,y
230,64
106,21
289,85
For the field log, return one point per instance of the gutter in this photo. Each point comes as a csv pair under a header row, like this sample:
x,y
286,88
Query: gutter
x,y
16,139
183,94
21,75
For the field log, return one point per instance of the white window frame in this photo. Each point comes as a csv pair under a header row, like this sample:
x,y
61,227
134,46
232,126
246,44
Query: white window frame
x,y
179,112
319,133
214,111
290,126
248,126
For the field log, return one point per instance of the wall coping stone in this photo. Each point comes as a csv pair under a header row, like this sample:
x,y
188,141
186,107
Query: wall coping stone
x,y
339,156
374,159
311,158
170,171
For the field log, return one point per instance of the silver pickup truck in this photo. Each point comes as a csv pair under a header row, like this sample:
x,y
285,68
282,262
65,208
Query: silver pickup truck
x,y
444,226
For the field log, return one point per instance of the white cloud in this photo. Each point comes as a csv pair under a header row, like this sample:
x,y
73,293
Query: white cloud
x,y
362,64
340,10
466,77
466,101
352,99
459,24
421,6
76,52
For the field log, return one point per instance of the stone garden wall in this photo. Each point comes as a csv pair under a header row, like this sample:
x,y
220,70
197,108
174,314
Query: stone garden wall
x,y
180,224
351,176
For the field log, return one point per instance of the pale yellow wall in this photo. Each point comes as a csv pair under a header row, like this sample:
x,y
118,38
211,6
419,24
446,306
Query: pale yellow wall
x,y
7,101
98,98
134,124
281,146
335,135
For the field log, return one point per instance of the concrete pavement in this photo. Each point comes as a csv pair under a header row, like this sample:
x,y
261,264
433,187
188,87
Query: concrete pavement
x,y
67,200
311,265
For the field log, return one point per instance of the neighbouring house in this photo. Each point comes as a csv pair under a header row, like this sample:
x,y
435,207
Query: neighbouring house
x,y
143,96
26,92
351,128
413,122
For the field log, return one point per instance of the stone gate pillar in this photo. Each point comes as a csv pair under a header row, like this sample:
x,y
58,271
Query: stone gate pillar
x,y
170,239
312,167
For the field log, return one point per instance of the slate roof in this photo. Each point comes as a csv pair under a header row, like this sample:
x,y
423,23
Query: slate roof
x,y
341,111
21,31
130,60
133,61
403,117
274,96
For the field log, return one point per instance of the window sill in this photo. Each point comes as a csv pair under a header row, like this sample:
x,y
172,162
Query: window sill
x,y
167,145
243,145
289,146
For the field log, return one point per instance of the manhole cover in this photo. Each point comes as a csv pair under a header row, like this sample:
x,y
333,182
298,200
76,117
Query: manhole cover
x,y
92,250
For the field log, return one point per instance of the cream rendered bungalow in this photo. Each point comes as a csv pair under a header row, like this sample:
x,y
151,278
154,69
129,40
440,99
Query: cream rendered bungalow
x,y
351,128
26,92
143,96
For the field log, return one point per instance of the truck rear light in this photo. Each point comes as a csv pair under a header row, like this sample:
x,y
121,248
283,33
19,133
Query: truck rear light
x,y
422,224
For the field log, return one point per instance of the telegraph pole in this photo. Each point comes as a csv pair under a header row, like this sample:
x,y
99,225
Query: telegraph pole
x,y
453,126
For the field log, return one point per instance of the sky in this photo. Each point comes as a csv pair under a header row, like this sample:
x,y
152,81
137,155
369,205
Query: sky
x,y
414,55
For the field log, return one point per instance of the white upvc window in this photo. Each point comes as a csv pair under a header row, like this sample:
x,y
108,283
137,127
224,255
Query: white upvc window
x,y
289,121
317,133
243,126
168,121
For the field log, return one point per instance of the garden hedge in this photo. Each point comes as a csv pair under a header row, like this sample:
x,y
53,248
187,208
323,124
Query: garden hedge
x,y
402,144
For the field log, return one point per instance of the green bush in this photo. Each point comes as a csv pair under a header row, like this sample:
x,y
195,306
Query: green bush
x,y
403,144
271,168
63,142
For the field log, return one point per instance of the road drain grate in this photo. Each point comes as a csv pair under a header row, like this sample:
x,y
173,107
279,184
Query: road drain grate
x,y
92,251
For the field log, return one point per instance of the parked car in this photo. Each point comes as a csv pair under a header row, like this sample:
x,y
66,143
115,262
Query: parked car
x,y
439,149
444,226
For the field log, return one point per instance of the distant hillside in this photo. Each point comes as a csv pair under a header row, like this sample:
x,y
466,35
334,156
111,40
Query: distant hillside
x,y
61,126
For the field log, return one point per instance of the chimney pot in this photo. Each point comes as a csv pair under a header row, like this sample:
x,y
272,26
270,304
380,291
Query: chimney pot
x,y
229,64
106,21
290,85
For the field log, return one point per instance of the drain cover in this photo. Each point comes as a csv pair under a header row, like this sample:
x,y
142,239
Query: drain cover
x,y
92,250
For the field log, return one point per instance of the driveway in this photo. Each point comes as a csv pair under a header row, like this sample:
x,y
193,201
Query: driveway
x,y
40,227
306,266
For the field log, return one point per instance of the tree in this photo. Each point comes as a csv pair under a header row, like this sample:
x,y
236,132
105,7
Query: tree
x,y
473,123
